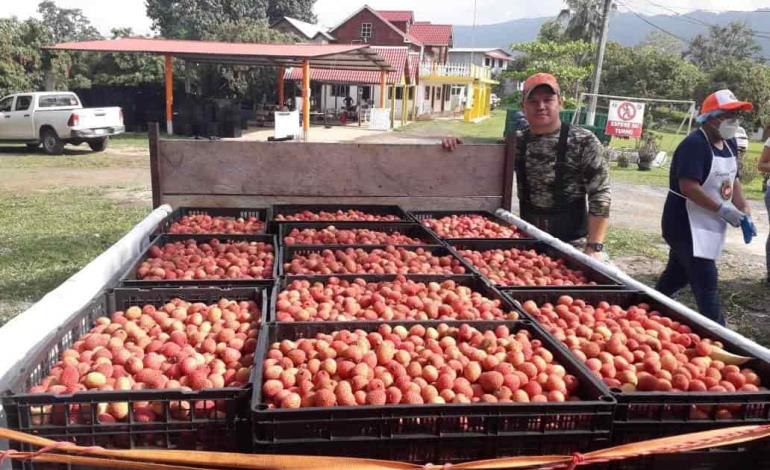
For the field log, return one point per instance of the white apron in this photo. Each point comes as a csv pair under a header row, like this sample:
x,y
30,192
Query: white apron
x,y
708,228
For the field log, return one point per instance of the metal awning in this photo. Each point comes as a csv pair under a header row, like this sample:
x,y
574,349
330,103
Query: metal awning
x,y
320,56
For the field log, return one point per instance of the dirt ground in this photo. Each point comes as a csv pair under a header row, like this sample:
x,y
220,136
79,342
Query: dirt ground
x,y
125,171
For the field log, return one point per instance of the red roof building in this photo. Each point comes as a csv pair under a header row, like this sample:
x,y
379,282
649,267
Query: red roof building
x,y
437,37
368,26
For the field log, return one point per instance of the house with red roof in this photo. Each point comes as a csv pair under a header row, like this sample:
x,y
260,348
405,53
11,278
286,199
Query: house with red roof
x,y
423,82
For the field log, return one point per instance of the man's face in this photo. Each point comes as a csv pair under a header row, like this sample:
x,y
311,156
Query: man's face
x,y
542,108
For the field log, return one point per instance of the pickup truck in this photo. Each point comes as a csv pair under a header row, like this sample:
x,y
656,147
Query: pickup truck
x,y
56,118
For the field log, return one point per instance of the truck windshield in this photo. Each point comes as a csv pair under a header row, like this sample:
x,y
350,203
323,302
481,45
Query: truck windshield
x,y
53,101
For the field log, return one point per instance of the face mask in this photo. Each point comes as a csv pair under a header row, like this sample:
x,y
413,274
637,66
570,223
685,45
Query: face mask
x,y
728,128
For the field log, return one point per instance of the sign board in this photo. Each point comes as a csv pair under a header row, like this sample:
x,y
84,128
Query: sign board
x,y
287,124
380,119
625,119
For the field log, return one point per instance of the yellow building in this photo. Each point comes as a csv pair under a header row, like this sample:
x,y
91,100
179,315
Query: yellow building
x,y
456,89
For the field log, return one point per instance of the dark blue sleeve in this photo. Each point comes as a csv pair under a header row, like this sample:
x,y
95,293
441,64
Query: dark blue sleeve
x,y
691,157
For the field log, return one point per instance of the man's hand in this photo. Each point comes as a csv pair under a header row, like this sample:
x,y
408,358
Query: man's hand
x,y
450,143
730,213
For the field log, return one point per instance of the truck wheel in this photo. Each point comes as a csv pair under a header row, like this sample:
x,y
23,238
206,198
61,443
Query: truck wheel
x,y
52,144
33,147
98,145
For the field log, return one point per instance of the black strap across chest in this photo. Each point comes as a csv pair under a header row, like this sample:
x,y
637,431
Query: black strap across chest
x,y
559,167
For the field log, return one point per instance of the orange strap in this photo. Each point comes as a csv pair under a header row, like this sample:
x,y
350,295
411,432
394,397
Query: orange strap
x,y
66,452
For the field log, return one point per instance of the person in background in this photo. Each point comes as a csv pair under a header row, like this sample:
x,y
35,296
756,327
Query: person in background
x,y
704,196
562,172
764,167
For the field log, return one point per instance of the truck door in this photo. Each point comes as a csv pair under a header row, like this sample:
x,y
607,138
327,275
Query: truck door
x,y
6,106
21,125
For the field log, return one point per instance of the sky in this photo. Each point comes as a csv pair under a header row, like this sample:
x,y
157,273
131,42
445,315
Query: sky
x,y
108,14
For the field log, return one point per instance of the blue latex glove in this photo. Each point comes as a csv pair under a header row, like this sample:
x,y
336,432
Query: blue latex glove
x,y
749,229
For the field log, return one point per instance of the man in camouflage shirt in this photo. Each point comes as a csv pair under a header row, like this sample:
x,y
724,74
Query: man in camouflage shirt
x,y
553,185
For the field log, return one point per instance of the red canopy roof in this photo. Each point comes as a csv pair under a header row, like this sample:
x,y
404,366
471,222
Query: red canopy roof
x,y
338,56
396,57
498,55
432,34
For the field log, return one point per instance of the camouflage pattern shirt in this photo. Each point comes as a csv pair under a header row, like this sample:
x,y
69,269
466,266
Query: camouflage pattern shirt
x,y
586,173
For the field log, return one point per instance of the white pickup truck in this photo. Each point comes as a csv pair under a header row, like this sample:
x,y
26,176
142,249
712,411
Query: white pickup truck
x,y
56,118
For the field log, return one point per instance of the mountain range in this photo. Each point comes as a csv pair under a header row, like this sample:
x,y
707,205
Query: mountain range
x,y
625,27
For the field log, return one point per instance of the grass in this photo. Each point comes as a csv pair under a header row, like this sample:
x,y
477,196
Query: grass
x,y
489,130
627,242
47,236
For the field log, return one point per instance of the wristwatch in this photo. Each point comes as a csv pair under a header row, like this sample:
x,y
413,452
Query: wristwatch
x,y
597,247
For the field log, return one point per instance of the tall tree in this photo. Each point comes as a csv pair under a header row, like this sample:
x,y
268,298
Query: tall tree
x,y
570,62
66,24
664,43
734,41
21,60
583,20
749,80
195,19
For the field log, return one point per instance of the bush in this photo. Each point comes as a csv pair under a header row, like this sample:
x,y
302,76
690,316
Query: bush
x,y
747,166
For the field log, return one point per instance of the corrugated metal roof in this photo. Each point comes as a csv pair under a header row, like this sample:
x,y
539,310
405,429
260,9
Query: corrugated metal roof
x,y
496,54
432,34
308,29
397,15
395,56
338,56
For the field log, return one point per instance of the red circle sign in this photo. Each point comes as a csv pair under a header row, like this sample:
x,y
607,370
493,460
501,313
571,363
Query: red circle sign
x,y
626,111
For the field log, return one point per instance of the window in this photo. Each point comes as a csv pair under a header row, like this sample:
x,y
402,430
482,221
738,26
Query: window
x,y
399,93
427,91
366,31
52,101
6,104
500,63
486,61
457,90
411,93
341,90
23,102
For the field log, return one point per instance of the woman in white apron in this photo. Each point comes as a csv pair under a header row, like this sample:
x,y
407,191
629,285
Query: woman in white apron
x,y
705,195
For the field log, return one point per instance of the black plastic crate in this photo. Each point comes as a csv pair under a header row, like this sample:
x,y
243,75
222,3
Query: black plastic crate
x,y
476,283
410,229
374,209
603,281
753,454
430,433
289,252
129,279
420,216
216,413
659,414
233,212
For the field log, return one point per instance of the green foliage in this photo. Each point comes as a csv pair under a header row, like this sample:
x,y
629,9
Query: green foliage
x,y
199,19
127,69
569,62
550,31
748,80
647,71
21,61
734,41
664,43
747,166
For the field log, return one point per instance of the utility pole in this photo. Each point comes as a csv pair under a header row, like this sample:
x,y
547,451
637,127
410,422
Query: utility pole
x,y
591,115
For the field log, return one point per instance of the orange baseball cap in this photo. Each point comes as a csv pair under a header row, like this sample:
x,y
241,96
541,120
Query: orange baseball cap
x,y
540,79
722,100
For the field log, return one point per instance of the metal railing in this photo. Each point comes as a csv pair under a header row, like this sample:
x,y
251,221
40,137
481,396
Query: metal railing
x,y
428,69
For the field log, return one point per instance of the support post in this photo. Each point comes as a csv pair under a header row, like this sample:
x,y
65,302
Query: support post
x,y
591,115
383,76
414,103
281,73
404,104
305,98
169,76
153,131
508,169
393,107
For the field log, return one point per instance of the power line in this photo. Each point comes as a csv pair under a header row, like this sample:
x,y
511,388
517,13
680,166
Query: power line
x,y
663,30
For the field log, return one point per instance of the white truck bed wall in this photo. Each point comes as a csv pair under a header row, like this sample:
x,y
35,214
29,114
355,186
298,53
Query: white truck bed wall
x,y
25,333
755,349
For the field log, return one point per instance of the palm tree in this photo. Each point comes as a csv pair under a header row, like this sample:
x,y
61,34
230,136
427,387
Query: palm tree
x,y
582,20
